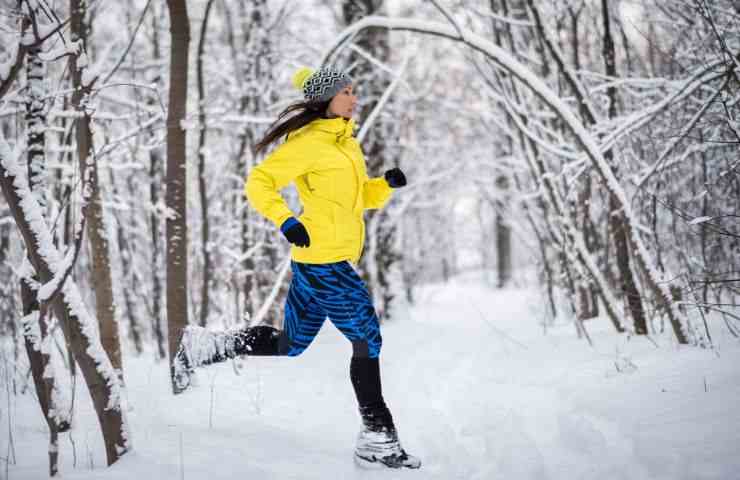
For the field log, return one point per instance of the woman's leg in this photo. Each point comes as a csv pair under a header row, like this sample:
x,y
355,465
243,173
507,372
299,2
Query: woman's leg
x,y
350,308
303,320
303,315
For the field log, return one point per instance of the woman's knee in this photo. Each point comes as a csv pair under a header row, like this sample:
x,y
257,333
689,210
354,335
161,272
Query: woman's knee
x,y
367,349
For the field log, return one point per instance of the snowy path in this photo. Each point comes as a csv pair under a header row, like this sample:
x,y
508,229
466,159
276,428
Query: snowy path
x,y
477,391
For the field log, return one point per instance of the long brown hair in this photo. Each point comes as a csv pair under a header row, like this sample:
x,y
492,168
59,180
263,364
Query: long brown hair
x,y
307,113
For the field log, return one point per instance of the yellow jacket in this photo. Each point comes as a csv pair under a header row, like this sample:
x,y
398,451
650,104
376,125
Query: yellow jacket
x,y
328,167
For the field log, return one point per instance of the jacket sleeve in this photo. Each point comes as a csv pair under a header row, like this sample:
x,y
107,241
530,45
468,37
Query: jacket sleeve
x,y
262,188
376,192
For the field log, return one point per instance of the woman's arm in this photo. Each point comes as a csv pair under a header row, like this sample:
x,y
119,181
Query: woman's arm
x,y
262,188
376,192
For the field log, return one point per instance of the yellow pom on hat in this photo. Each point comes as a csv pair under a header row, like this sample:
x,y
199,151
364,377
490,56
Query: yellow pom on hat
x,y
300,77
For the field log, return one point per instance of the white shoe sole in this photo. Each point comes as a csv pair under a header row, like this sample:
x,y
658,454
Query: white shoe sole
x,y
368,464
375,464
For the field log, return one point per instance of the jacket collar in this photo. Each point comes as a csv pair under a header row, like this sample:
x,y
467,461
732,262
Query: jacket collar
x,y
339,126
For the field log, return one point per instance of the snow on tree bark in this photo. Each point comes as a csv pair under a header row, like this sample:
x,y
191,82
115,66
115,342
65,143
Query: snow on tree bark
x,y
100,376
36,335
93,209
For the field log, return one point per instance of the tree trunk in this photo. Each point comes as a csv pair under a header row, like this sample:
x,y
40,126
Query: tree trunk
x,y
155,161
617,219
587,294
202,190
155,182
176,197
93,209
503,233
256,71
244,279
7,288
502,228
37,349
130,275
35,331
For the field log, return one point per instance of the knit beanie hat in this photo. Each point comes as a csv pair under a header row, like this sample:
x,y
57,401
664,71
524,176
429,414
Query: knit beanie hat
x,y
320,85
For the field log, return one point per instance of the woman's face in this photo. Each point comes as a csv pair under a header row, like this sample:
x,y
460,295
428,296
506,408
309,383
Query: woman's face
x,y
343,103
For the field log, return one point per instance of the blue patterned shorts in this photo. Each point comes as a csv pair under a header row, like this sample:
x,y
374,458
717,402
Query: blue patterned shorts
x,y
331,290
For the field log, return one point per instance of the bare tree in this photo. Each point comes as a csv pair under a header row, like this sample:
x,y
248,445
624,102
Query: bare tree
x,y
205,297
96,230
36,334
155,177
177,220
616,215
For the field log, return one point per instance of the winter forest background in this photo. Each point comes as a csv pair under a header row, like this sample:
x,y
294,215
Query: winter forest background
x,y
583,151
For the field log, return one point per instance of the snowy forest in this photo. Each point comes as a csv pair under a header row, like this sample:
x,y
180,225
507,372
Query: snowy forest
x,y
567,249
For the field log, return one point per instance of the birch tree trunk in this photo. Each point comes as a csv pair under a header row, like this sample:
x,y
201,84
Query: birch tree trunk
x,y
37,349
35,329
176,197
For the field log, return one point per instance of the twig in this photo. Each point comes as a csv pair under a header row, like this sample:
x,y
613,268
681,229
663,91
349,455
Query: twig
x,y
383,100
131,42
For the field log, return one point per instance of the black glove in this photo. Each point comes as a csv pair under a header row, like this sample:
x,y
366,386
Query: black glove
x,y
295,232
395,177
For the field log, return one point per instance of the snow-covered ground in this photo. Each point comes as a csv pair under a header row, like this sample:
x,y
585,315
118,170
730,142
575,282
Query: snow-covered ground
x,y
478,388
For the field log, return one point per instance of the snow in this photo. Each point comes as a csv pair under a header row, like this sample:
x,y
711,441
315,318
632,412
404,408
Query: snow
x,y
50,287
478,386
699,220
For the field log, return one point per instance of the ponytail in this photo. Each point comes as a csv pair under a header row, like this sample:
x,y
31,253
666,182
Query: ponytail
x,y
307,113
